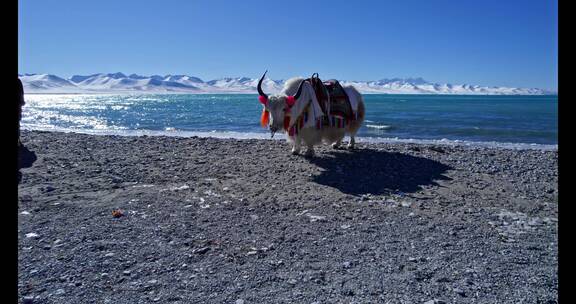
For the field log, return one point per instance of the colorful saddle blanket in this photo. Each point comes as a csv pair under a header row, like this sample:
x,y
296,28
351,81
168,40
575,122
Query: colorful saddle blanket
x,y
331,91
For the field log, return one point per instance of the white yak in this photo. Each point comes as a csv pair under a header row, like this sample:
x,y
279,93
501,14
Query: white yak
x,y
296,111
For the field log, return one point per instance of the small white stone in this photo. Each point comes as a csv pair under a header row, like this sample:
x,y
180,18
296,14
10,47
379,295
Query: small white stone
x,y
59,292
184,187
32,235
314,218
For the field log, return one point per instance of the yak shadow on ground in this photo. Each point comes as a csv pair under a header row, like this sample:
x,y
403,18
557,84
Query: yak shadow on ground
x,y
375,172
25,159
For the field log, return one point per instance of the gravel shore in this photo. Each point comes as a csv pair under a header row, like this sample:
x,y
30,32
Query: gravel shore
x,y
112,219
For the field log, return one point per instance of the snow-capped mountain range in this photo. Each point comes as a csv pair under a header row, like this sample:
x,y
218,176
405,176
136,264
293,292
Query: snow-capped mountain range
x,y
121,83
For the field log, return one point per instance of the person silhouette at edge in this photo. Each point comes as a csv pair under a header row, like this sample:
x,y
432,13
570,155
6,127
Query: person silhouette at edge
x,y
20,105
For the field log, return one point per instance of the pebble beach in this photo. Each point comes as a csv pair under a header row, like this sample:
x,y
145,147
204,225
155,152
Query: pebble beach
x,y
159,219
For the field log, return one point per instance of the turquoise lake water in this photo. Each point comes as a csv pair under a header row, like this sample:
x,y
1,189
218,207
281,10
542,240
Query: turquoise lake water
x,y
515,121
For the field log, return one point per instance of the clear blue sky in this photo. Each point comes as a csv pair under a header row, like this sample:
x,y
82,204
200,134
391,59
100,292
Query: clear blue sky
x,y
488,42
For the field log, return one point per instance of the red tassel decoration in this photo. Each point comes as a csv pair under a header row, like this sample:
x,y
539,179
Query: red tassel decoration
x,y
290,101
265,118
286,122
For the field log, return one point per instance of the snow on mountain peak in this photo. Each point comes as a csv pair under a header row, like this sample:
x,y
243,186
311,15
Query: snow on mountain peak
x,y
414,81
119,82
117,75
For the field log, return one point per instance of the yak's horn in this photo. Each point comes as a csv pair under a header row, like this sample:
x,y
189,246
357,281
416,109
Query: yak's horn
x,y
260,86
299,90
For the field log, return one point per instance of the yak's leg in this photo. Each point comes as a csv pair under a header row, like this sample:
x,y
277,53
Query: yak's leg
x,y
351,143
310,151
297,144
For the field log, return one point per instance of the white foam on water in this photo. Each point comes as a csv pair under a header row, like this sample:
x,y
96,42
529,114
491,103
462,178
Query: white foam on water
x,y
448,142
379,127
281,136
167,132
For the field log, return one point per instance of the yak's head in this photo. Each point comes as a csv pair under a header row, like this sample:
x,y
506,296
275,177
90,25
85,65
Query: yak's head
x,y
276,107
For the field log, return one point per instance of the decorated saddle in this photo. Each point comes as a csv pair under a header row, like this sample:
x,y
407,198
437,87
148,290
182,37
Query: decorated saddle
x,y
332,97
339,100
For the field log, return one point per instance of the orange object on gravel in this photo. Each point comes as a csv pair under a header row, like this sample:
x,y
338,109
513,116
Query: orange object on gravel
x,y
117,213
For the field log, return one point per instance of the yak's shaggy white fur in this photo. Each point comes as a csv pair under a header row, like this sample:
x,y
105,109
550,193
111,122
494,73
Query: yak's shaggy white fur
x,y
309,135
